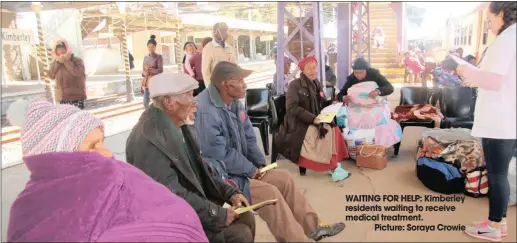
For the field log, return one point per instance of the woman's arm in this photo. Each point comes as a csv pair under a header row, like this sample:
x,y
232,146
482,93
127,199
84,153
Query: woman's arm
x,y
385,87
293,104
54,67
159,66
344,90
482,79
75,66
188,66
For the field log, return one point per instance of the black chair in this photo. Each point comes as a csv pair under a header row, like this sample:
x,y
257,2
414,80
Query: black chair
x,y
278,114
457,106
413,96
258,106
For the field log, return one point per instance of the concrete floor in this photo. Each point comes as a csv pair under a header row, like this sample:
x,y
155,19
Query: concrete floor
x,y
328,198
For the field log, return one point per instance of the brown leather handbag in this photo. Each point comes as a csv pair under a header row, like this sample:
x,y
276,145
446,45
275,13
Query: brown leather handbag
x,y
372,156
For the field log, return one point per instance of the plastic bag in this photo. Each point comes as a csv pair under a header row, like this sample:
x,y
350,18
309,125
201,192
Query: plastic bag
x,y
341,117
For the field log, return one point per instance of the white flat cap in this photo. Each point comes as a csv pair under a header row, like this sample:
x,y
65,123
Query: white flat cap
x,y
167,83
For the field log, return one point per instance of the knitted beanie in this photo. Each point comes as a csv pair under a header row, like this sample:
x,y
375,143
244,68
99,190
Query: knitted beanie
x,y
47,128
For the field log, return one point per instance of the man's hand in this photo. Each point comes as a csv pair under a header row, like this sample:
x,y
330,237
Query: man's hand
x,y
374,93
257,175
237,200
347,99
230,216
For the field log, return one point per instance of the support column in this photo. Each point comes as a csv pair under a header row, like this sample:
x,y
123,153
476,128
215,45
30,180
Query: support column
x,y
343,45
178,48
280,49
43,57
319,52
129,83
252,39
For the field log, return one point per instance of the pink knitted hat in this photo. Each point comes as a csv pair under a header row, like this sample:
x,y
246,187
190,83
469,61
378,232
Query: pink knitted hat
x,y
47,128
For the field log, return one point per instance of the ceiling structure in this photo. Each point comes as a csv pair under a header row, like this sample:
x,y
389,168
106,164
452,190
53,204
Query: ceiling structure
x,y
141,16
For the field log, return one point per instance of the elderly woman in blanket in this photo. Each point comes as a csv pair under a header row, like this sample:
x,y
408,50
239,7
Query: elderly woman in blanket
x,y
302,137
365,107
364,73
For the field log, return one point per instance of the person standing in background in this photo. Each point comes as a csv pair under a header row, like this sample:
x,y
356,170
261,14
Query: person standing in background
x,y
192,65
216,51
68,72
153,65
495,115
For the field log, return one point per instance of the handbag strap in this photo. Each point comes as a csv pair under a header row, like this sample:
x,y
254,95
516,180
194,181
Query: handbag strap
x,y
361,151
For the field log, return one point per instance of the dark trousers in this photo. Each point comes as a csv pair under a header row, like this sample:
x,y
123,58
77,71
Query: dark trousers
x,y
78,103
241,230
498,153
201,87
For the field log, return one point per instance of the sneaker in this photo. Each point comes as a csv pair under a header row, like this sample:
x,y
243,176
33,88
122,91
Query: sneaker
x,y
326,230
484,231
504,228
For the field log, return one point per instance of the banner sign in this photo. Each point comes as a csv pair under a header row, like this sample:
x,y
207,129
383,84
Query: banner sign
x,y
17,36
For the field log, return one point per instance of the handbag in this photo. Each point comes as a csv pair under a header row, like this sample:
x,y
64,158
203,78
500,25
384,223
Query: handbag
x,y
476,183
372,156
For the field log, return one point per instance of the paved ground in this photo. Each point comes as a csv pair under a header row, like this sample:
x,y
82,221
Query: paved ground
x,y
329,198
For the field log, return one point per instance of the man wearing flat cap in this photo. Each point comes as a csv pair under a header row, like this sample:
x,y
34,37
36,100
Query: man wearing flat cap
x,y
364,73
228,141
163,144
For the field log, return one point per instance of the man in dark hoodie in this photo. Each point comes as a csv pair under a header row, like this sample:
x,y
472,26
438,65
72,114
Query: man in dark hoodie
x,y
364,73
329,74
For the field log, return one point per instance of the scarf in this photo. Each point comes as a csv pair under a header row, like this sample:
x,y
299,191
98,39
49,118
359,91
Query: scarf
x,y
85,197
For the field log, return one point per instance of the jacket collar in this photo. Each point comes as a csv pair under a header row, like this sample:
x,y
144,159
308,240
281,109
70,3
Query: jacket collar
x,y
158,131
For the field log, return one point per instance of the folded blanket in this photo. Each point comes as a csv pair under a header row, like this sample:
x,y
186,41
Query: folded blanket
x,y
417,112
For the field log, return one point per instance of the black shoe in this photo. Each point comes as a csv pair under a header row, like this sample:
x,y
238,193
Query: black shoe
x,y
327,231
303,171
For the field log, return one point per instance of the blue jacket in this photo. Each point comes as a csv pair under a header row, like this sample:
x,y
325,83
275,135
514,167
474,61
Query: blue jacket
x,y
227,139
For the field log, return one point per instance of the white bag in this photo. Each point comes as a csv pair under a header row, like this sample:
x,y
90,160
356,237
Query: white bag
x,y
512,179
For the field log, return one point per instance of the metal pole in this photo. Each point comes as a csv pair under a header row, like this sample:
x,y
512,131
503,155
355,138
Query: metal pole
x,y
252,40
318,39
369,45
43,57
344,43
280,84
129,83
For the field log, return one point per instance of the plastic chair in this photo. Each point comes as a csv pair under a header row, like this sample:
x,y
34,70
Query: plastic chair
x,y
278,114
258,107
457,106
413,96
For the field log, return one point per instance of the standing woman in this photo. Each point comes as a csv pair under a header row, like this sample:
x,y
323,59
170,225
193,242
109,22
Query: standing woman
x,y
301,128
494,119
192,65
153,65
68,73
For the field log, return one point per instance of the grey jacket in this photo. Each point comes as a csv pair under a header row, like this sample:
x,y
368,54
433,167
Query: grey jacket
x,y
152,147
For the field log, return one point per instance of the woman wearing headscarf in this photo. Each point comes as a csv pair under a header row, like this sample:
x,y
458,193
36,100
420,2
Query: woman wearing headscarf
x,y
192,65
153,65
362,72
302,137
495,117
68,72
78,192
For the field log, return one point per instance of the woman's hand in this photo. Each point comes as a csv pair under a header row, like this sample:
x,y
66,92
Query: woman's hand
x,y
374,93
329,84
316,121
347,99
461,69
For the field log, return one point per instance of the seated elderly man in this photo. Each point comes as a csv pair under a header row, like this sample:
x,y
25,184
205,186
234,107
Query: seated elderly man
x,y
229,142
163,144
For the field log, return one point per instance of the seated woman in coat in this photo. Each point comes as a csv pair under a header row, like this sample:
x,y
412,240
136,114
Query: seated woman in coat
x,y
363,73
302,138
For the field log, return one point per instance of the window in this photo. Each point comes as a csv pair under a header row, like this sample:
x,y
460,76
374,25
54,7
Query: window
x,y
456,36
485,32
470,34
462,40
